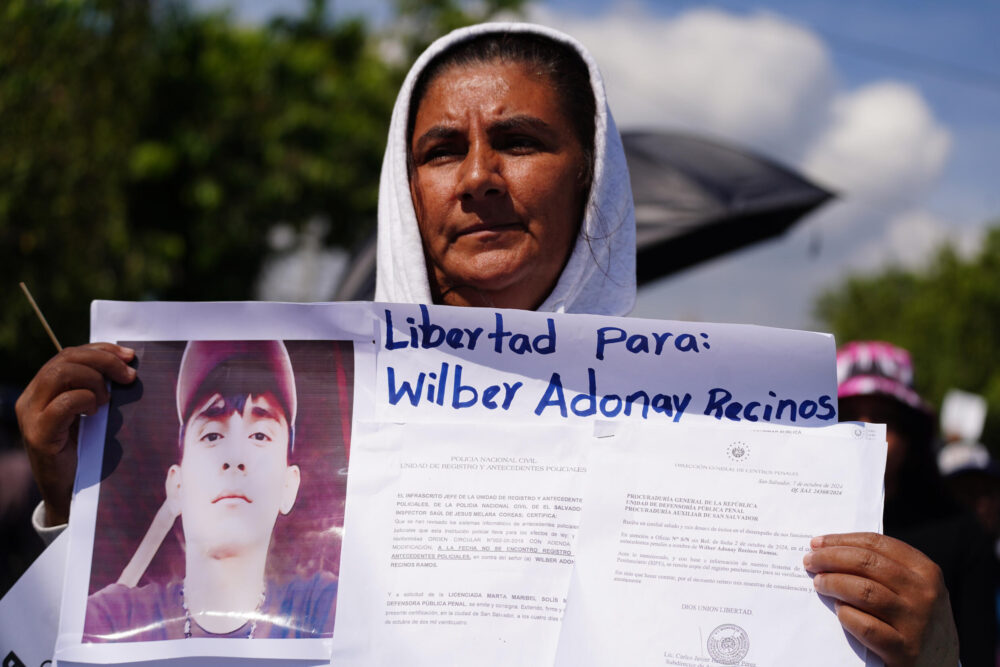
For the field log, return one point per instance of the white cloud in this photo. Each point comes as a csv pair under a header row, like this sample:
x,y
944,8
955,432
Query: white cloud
x,y
912,239
760,79
884,146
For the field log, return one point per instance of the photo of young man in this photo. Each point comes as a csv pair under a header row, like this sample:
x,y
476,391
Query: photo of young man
x,y
257,446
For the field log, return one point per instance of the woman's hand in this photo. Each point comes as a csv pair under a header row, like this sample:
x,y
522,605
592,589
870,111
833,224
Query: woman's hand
x,y
71,384
887,594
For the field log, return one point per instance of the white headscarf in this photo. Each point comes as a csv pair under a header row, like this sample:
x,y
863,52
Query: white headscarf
x,y
599,277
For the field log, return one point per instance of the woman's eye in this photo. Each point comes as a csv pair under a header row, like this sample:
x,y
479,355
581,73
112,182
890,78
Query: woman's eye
x,y
441,153
260,437
212,436
520,143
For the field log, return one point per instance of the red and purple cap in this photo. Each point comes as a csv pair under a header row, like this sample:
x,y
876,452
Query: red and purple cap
x,y
252,366
867,368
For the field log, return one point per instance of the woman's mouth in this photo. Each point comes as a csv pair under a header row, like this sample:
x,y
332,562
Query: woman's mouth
x,y
489,228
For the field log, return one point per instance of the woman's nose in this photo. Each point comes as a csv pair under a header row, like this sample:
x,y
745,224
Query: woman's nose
x,y
480,173
226,465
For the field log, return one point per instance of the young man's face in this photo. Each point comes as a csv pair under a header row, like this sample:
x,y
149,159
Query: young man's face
x,y
234,478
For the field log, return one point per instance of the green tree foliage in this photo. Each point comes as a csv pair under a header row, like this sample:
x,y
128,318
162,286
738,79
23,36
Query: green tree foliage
x,y
68,114
947,315
145,150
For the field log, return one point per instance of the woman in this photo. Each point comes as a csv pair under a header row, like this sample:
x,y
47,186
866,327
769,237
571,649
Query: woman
x,y
501,187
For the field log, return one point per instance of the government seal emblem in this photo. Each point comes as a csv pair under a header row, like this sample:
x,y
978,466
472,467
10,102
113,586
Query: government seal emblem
x,y
738,451
728,644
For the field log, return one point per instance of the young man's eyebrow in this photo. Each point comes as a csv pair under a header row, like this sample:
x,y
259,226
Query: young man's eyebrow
x,y
220,407
265,413
217,408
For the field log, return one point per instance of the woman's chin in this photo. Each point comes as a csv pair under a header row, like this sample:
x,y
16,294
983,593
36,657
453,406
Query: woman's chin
x,y
499,278
494,292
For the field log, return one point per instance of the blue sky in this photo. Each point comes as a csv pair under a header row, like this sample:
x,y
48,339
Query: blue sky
x,y
894,104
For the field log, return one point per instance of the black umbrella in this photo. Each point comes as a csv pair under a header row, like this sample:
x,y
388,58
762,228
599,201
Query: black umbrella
x,y
695,199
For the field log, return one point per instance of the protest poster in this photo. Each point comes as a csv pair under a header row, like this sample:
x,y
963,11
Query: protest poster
x,y
440,368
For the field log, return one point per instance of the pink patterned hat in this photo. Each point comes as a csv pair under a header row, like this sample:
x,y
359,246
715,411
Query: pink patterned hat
x,y
875,367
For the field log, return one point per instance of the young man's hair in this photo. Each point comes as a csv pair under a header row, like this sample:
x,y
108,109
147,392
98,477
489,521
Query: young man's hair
x,y
238,372
231,404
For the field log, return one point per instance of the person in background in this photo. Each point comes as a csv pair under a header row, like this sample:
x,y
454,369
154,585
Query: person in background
x,y
973,478
876,385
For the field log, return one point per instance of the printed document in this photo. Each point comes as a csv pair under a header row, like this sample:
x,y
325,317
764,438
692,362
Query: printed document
x,y
691,544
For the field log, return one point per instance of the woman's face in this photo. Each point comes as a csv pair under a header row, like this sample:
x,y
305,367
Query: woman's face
x,y
498,186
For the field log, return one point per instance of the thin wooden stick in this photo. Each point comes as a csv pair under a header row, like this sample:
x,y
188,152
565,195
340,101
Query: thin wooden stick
x,y
41,317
